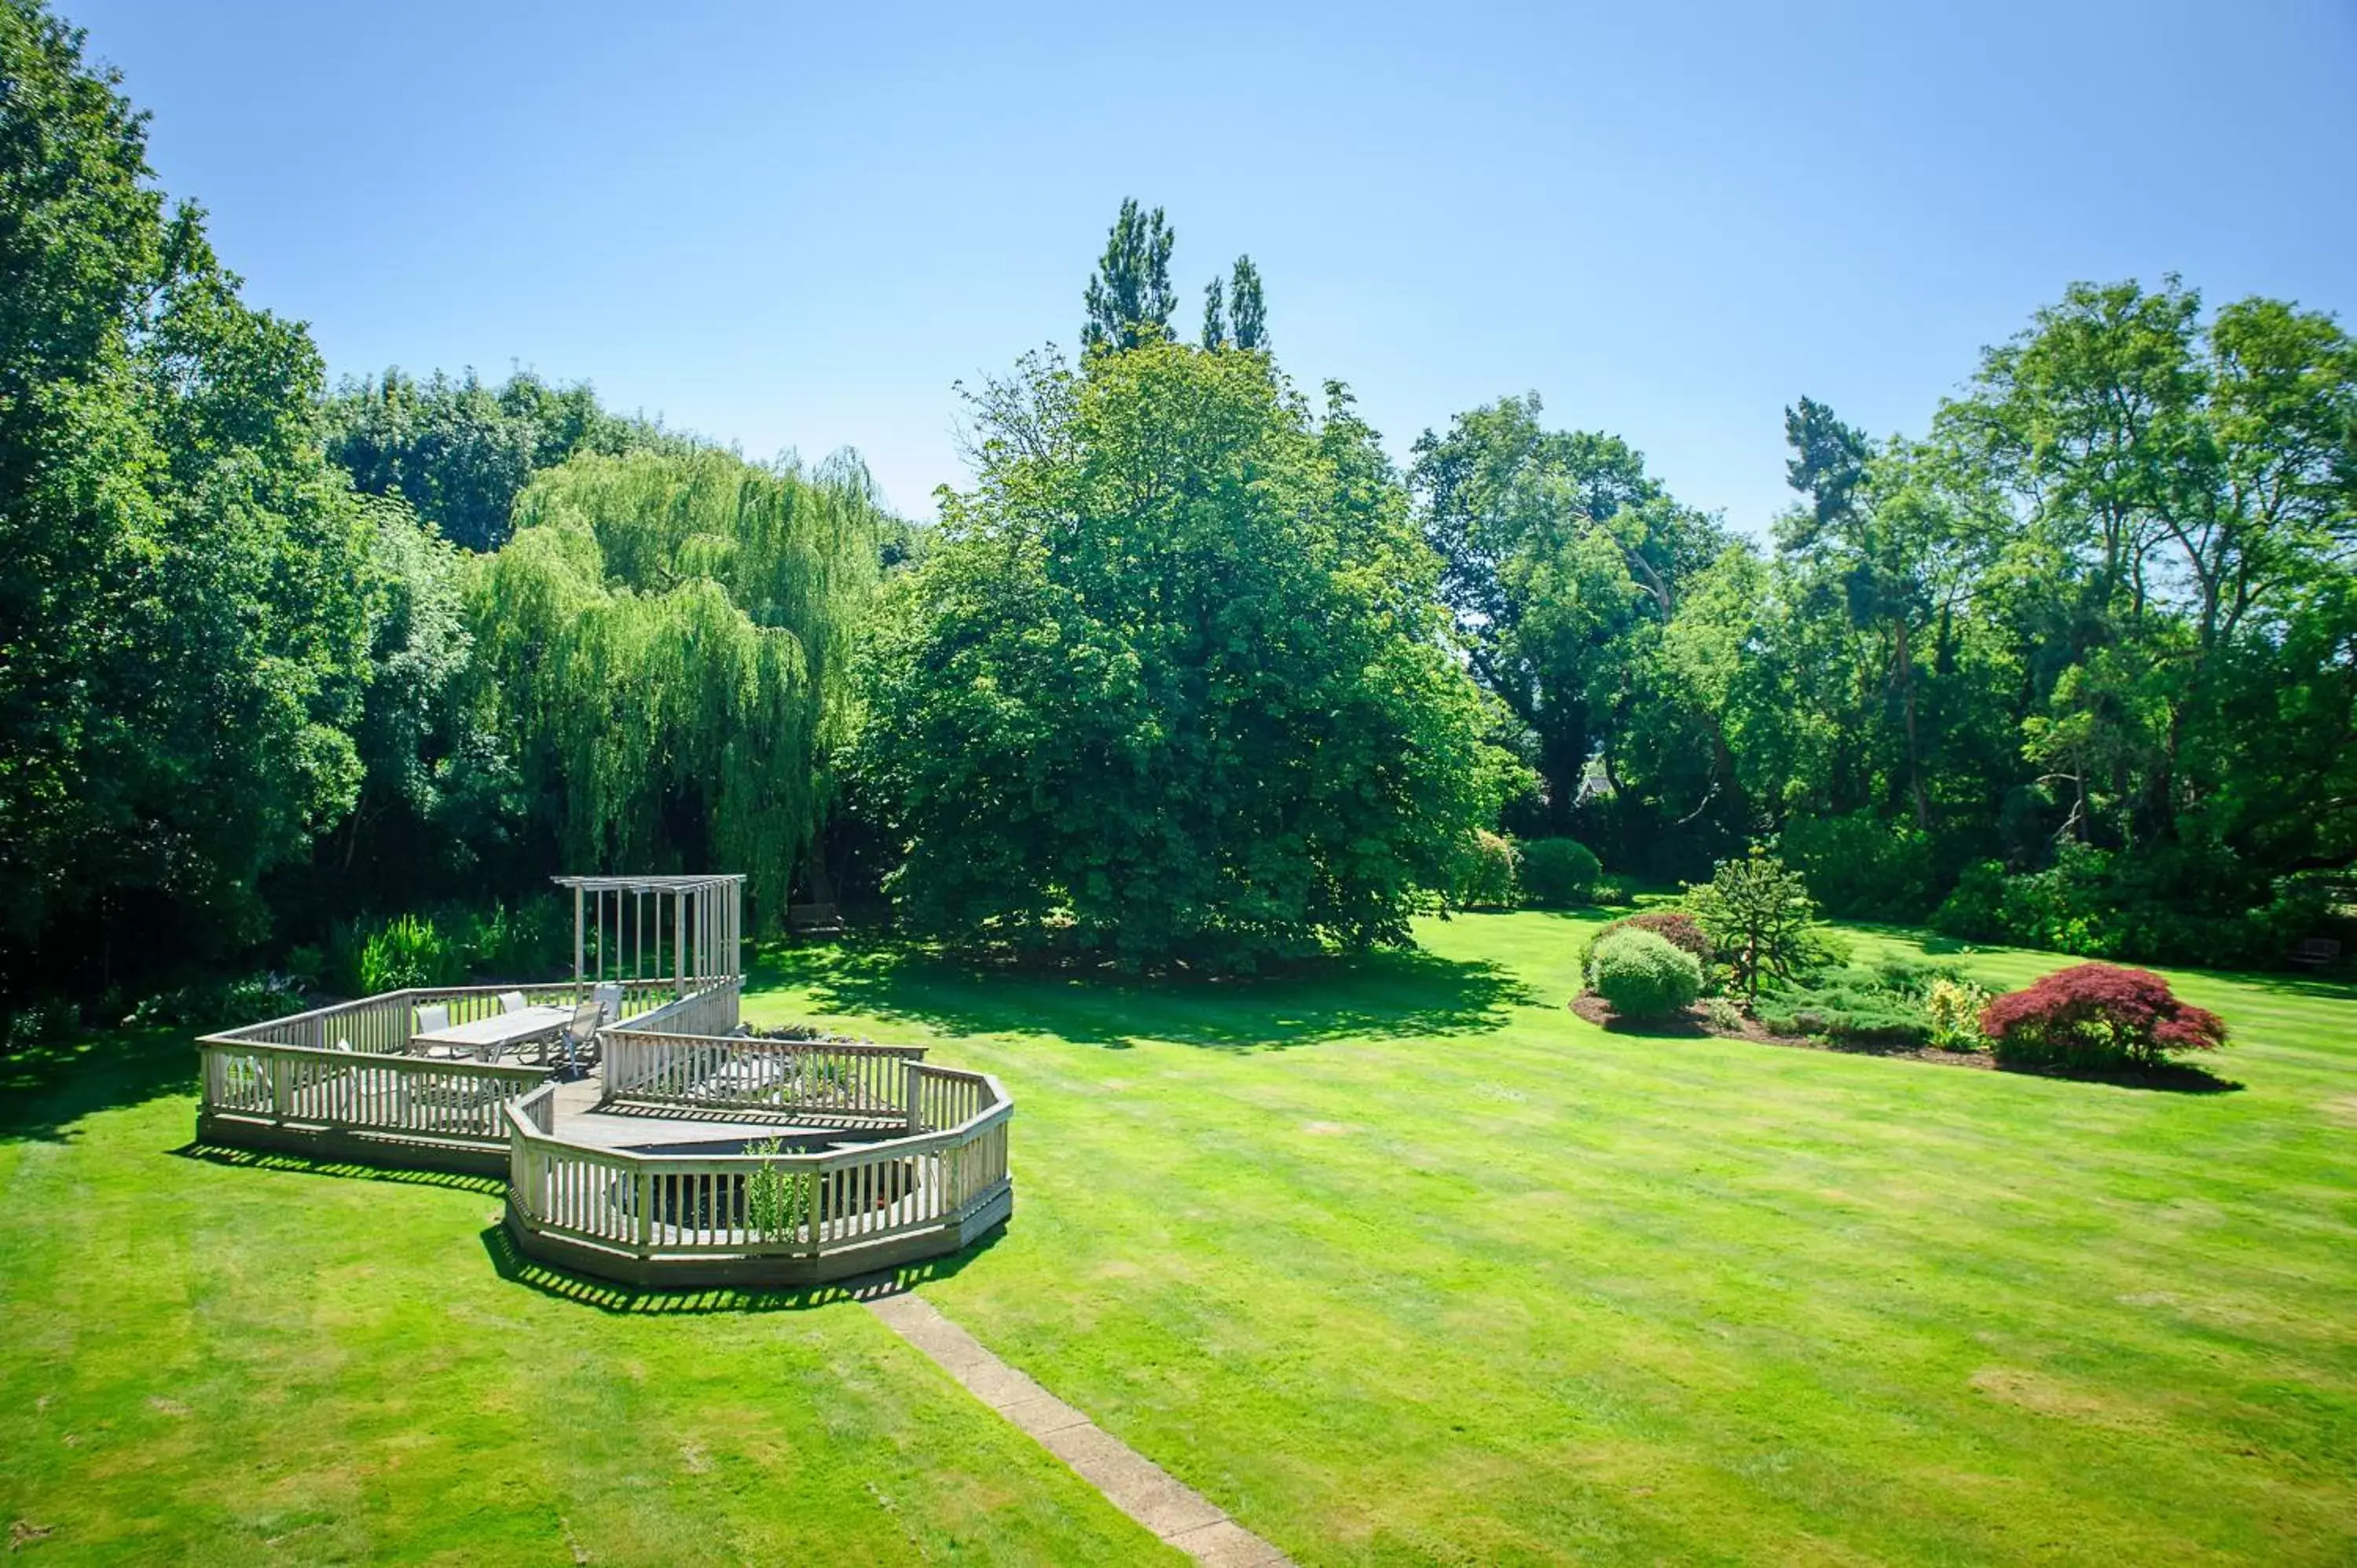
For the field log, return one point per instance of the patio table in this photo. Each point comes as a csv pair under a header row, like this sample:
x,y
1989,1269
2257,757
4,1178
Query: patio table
x,y
492,1038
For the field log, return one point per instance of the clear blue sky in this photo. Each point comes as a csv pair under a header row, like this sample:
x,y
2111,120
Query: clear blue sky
x,y
796,226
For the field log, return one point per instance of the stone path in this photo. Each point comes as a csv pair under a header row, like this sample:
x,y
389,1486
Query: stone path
x,y
1147,1493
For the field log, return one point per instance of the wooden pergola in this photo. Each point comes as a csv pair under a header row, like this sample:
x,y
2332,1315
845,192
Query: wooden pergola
x,y
685,928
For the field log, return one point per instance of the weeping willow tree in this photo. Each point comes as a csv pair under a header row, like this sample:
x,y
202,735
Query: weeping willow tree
x,y
662,642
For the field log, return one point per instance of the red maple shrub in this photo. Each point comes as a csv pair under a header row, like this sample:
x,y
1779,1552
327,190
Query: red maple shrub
x,y
1674,926
2097,1015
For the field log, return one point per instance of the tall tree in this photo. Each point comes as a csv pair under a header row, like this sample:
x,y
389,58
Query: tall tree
x,y
460,452
181,636
1249,310
1173,691
1215,317
1129,297
663,643
1555,546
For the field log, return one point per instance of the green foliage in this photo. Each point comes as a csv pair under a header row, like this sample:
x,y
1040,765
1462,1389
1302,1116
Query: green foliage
x,y
180,634
1722,1015
1759,917
1561,559
1854,1006
777,1199
665,640
460,452
2181,905
1677,926
410,950
1558,873
1172,689
1861,865
1486,873
1643,975
1129,298
1952,1008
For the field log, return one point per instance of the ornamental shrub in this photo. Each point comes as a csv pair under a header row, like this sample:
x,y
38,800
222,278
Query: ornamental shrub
x,y
1559,873
1954,1009
1856,1005
2097,1015
1485,873
1642,975
1677,926
1761,918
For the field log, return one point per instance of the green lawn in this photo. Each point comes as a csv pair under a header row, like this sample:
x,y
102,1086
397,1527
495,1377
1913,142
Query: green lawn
x,y
1403,1265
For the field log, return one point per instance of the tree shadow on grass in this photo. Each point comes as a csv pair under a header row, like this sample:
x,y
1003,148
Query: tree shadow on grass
x,y
45,1088
1383,996
639,1301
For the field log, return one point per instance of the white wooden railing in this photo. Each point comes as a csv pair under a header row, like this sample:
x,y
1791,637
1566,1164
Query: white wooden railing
x,y
836,1079
656,1206
286,1086
383,1025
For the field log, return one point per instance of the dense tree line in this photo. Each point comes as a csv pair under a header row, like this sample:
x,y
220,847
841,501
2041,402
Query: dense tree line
x,y
1189,674
2076,667
271,656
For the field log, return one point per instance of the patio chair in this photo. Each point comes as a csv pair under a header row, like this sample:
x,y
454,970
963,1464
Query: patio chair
x,y
511,1002
432,1017
579,1034
609,997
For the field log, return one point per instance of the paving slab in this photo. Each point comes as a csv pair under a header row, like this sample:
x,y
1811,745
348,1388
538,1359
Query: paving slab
x,y
1173,1511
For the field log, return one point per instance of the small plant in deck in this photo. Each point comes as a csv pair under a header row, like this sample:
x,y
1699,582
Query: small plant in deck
x,y
1642,975
2098,1015
776,1200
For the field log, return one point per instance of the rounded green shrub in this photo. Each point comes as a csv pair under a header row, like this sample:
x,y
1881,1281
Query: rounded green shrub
x,y
1559,873
1642,975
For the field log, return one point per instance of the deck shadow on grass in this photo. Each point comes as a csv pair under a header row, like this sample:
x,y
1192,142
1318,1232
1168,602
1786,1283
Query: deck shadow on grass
x,y
347,1170
45,1088
639,1300
1385,995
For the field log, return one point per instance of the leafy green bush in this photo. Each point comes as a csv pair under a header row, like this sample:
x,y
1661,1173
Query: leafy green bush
x,y
1559,873
1486,873
409,951
1861,866
1721,1013
776,1200
2184,904
219,1003
1614,892
1642,975
39,1022
1677,926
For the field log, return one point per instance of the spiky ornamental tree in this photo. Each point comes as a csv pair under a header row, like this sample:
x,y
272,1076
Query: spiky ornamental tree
x,y
1128,296
1759,917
